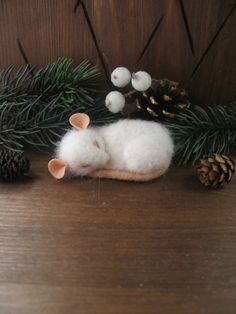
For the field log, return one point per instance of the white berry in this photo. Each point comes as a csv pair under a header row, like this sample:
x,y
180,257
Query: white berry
x,y
115,101
120,77
141,81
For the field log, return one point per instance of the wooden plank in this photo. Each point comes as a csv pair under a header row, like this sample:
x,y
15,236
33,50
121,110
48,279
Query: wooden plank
x,y
123,28
182,40
204,18
47,29
89,246
9,51
169,54
213,25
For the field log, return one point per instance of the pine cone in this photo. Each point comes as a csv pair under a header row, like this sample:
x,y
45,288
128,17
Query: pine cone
x,y
13,165
162,100
215,170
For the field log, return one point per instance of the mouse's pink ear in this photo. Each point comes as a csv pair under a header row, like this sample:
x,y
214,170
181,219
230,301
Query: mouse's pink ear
x,y
79,121
57,168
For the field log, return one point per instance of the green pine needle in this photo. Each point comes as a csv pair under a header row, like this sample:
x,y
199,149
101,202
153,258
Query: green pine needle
x,y
200,131
34,110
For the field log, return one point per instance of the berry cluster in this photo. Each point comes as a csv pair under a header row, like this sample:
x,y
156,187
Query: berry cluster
x,y
121,77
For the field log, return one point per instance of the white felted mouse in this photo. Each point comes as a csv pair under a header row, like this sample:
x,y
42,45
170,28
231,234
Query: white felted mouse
x,y
127,149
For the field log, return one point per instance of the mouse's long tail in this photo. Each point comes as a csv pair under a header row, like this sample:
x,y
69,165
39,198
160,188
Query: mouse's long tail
x,y
127,175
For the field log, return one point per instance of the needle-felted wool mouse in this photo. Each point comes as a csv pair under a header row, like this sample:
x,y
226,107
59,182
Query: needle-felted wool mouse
x,y
134,150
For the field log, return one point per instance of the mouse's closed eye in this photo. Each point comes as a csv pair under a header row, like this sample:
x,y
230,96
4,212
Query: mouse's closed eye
x,y
95,143
85,165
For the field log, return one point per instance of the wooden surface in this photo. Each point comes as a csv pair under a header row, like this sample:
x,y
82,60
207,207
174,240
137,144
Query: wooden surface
x,y
191,41
88,246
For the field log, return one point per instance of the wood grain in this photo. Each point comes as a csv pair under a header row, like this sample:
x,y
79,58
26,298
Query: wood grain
x,y
47,30
169,53
213,31
185,40
100,246
117,26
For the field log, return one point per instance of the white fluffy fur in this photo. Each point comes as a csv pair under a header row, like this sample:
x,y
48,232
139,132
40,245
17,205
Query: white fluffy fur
x,y
130,145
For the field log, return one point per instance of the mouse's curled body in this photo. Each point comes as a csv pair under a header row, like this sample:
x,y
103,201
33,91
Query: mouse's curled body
x,y
137,147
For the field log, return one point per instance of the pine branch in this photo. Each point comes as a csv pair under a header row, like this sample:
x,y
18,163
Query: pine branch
x,y
202,131
35,110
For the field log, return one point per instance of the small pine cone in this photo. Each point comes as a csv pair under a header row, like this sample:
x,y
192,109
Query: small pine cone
x,y
13,165
215,170
162,100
